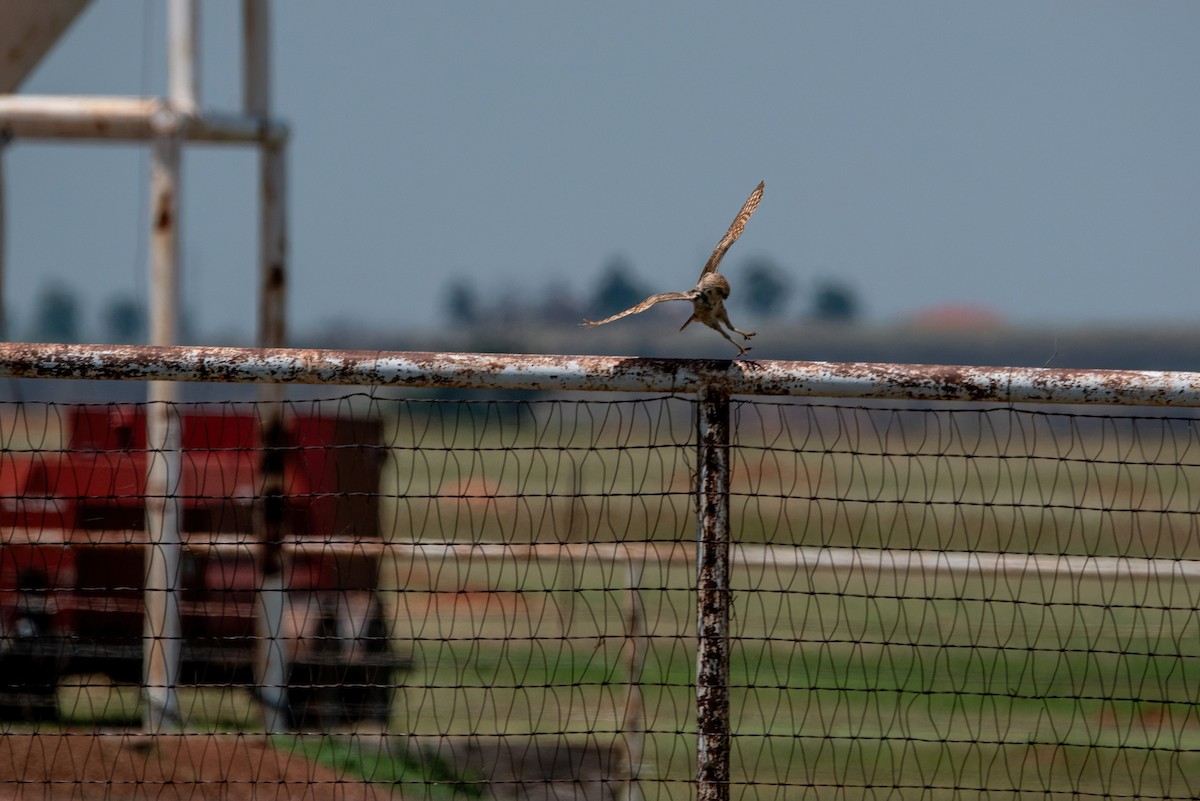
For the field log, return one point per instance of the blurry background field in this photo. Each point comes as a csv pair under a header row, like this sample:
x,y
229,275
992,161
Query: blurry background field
x,y
855,679
851,681
996,479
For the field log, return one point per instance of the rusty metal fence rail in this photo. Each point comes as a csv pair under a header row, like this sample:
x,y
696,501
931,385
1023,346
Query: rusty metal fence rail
x,y
883,475
603,374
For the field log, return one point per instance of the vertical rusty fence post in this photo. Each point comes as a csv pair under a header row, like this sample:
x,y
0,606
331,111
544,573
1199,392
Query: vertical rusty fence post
x,y
712,597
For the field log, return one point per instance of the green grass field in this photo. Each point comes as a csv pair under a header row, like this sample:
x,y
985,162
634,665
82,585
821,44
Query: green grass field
x,y
842,683
836,682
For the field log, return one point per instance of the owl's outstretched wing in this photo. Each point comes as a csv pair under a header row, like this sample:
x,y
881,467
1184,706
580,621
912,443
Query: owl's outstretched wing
x,y
735,229
641,307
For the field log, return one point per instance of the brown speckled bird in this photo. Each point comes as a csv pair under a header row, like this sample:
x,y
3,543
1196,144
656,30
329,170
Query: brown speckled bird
x,y
707,297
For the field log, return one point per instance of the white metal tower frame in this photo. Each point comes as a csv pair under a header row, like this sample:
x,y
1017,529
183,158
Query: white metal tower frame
x,y
167,124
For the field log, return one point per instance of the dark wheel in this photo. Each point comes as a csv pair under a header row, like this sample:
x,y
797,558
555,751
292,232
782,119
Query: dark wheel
x,y
32,653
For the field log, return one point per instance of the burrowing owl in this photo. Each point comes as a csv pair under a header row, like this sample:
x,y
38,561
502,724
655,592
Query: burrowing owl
x,y
708,296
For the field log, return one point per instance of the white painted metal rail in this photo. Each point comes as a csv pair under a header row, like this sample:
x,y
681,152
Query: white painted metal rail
x,y
603,374
128,119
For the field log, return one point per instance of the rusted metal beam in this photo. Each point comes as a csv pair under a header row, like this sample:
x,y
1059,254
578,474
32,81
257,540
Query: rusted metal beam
x,y
602,373
129,119
713,599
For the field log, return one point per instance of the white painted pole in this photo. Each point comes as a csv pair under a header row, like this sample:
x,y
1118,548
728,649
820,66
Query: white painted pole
x,y
4,332
163,632
161,650
183,56
123,119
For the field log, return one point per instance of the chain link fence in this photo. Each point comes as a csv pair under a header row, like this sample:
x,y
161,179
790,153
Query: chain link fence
x,y
688,591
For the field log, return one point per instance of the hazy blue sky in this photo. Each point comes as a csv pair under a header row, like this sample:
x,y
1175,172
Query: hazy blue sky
x,y
1040,159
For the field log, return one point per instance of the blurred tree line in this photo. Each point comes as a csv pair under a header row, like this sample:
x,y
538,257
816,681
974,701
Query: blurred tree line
x,y
761,289
58,317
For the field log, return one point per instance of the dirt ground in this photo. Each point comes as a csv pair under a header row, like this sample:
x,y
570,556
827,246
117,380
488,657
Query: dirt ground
x,y
124,767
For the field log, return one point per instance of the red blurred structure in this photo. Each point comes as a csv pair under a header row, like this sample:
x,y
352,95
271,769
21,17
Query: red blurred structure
x,y
72,561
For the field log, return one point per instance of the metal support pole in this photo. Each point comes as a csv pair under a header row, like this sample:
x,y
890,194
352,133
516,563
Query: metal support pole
x,y
712,598
182,53
163,632
124,119
272,319
256,57
162,629
3,242
272,669
272,657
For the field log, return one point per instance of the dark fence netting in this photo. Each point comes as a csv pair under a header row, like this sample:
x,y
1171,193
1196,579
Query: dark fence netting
x,y
497,599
